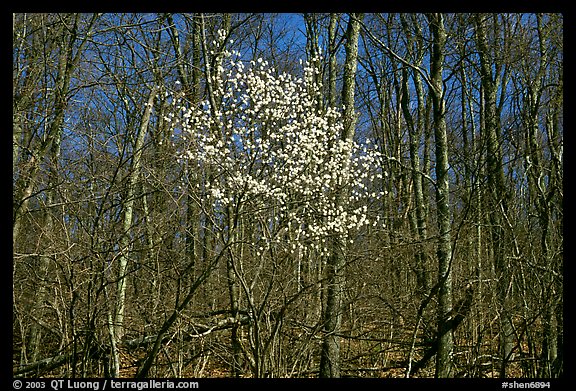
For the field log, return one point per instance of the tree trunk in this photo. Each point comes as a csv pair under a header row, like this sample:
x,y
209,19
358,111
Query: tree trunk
x,y
332,69
330,355
420,227
124,243
444,367
234,294
498,203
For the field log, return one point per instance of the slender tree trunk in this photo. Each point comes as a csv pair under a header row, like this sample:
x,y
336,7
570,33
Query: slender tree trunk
x,y
332,60
124,242
234,294
556,312
498,205
330,355
313,50
420,226
444,367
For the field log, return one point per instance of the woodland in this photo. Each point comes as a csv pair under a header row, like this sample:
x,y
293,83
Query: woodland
x,y
259,195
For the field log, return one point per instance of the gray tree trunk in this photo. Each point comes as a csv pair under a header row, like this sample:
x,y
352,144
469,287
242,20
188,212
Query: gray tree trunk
x,y
419,225
332,60
444,367
498,205
124,242
330,355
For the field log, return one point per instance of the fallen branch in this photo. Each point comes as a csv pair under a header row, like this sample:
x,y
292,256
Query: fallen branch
x,y
197,330
44,365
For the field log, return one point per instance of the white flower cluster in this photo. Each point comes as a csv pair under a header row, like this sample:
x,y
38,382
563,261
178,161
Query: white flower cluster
x,y
270,151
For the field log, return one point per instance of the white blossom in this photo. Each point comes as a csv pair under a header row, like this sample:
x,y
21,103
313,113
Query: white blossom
x,y
269,148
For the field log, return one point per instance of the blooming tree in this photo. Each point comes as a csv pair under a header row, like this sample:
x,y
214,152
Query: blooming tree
x,y
273,154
